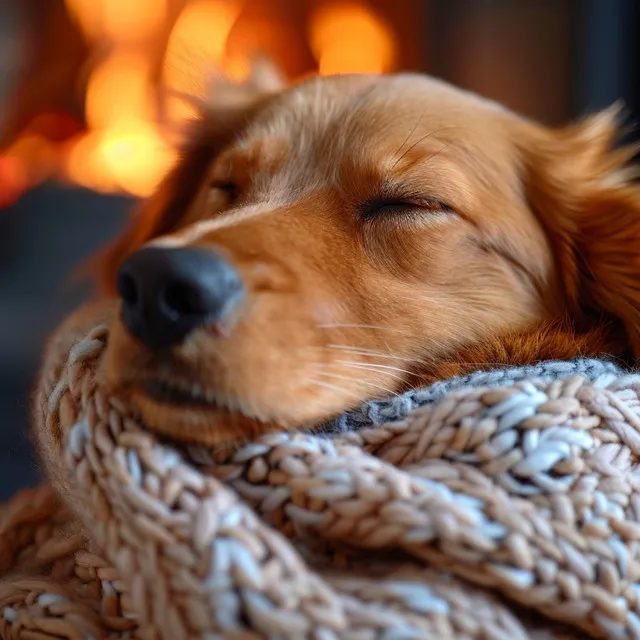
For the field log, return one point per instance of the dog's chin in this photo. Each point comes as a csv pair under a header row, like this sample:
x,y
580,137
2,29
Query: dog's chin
x,y
192,418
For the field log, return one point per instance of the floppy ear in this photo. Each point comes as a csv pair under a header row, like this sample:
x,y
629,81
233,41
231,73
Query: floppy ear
x,y
582,188
225,109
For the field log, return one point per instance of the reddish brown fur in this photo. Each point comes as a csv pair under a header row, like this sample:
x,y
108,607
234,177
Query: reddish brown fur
x,y
540,259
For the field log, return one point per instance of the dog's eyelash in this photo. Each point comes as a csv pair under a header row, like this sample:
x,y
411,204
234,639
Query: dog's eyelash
x,y
393,206
227,188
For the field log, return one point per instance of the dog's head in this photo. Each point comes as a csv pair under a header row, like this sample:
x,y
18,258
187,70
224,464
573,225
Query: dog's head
x,y
322,244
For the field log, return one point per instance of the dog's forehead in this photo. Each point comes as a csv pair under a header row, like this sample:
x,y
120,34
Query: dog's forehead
x,y
336,113
310,109
327,123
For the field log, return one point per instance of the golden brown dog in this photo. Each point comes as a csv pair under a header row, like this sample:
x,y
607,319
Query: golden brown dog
x,y
350,237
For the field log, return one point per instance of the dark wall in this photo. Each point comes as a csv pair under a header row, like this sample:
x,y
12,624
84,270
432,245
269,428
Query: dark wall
x,y
43,239
549,59
519,53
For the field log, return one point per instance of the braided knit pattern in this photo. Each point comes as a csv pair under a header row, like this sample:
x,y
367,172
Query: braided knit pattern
x,y
495,512
379,412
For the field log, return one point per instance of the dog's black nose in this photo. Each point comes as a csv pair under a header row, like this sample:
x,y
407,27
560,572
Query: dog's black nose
x,y
168,292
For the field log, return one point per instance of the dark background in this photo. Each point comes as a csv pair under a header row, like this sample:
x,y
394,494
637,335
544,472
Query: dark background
x,y
550,59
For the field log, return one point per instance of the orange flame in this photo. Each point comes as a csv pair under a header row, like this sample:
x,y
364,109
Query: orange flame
x,y
120,92
119,20
125,147
197,45
348,37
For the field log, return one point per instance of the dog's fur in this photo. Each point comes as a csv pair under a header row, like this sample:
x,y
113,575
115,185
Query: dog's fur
x,y
390,230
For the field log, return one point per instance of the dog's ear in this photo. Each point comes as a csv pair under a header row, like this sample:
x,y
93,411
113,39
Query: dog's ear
x,y
221,114
581,186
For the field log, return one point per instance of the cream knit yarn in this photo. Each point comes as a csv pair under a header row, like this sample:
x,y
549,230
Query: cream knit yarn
x,y
490,513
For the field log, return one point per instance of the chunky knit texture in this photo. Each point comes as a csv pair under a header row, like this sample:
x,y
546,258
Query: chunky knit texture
x,y
375,414
502,505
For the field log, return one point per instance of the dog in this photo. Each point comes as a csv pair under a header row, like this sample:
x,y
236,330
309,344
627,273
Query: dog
x,y
351,237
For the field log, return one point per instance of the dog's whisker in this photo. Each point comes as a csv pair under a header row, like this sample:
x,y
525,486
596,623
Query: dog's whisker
x,y
334,376
340,364
374,327
357,350
372,366
474,364
333,387
357,325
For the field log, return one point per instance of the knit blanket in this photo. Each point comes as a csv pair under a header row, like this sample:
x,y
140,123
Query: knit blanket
x,y
502,505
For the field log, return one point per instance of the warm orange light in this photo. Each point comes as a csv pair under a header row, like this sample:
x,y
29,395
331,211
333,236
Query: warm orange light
x,y
124,149
197,43
126,146
88,14
118,20
137,159
197,48
119,91
237,67
348,37
132,161
132,20
13,180
85,165
36,154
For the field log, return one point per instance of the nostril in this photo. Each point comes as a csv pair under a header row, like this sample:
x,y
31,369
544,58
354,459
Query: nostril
x,y
127,288
184,299
167,293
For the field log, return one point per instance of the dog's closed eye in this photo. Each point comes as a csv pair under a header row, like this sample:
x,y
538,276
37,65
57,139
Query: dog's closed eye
x,y
411,206
223,193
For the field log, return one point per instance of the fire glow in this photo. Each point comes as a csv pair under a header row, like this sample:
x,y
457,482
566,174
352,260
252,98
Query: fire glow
x,y
144,51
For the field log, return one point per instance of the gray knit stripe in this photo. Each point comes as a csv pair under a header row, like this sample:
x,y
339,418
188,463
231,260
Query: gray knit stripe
x,y
377,412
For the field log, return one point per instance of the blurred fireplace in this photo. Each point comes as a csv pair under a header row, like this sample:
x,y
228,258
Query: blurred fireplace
x,y
86,107
80,85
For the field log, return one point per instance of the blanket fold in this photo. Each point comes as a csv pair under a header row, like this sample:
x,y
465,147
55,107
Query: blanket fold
x,y
504,505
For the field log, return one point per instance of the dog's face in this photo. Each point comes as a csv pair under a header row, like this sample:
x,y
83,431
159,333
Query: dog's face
x,y
325,244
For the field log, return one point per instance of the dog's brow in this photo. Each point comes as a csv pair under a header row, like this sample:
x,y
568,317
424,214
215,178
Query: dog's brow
x,y
415,126
435,132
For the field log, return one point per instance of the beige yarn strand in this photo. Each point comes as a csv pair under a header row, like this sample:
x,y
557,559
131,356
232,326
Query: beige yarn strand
x,y
425,528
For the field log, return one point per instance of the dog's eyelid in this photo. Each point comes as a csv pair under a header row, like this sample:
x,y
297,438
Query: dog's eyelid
x,y
229,188
419,204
